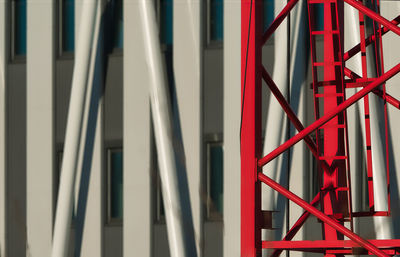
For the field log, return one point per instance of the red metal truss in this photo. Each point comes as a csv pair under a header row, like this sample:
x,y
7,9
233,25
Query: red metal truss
x,y
331,153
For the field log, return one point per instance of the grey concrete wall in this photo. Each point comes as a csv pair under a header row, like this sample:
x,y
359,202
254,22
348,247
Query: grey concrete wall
x,y
16,160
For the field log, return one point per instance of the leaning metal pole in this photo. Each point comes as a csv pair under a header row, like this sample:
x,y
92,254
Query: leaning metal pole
x,y
74,129
179,240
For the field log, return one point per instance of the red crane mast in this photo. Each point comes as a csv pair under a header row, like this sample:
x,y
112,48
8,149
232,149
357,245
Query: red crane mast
x,y
331,77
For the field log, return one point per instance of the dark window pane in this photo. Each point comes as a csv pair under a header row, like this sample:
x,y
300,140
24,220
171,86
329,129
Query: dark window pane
x,y
118,23
68,25
319,17
20,27
216,177
116,204
166,22
216,20
57,180
268,13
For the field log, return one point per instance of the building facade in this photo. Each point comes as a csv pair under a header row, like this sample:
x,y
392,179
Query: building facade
x,y
118,205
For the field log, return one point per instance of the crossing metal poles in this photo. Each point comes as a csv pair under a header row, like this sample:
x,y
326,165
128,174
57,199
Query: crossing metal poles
x,y
180,241
74,129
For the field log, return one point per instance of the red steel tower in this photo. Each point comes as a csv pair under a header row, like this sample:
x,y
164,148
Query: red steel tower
x,y
331,149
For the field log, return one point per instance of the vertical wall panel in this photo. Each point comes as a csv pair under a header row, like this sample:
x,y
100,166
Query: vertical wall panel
x,y
187,52
232,102
40,127
3,56
137,224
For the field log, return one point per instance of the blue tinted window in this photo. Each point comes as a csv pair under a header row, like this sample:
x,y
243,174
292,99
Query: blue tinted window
x,y
68,25
118,23
116,180
216,20
20,27
319,17
216,177
268,13
166,22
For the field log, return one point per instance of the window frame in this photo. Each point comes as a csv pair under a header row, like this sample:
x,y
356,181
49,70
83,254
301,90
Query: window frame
x,y
111,220
211,140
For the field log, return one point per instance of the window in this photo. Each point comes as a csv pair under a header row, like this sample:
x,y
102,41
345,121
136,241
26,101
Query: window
x,y
164,14
66,26
317,11
268,13
166,22
118,23
215,17
57,179
215,179
115,184
159,208
18,28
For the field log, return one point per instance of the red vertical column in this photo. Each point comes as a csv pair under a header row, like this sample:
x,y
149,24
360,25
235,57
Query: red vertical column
x,y
251,128
333,136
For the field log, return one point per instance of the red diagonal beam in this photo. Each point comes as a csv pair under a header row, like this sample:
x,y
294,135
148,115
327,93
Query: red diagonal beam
x,y
357,48
278,20
314,211
373,15
388,98
296,227
292,116
305,245
327,117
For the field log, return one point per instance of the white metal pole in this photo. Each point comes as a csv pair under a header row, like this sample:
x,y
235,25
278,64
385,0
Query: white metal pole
x,y
383,227
73,130
162,120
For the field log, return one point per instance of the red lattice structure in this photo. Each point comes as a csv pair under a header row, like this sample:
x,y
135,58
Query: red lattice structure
x,y
331,152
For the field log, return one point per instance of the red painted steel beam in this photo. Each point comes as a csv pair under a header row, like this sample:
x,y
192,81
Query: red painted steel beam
x,y
373,15
278,20
387,97
296,227
292,116
357,48
328,244
250,138
323,217
327,117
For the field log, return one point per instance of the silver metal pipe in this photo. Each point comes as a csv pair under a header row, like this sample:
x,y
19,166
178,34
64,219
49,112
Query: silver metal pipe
x,y
162,120
74,129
